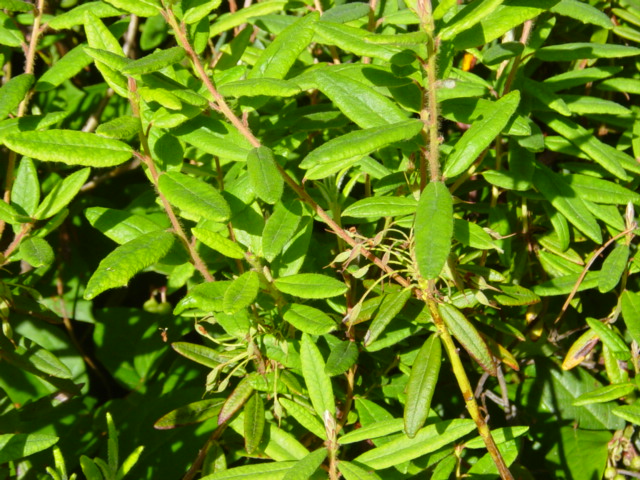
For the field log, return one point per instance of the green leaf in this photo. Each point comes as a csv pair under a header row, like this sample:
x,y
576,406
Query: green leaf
x,y
310,285
14,446
253,87
565,199
118,225
316,379
253,423
309,319
464,331
76,16
215,137
613,267
605,394
195,412
141,8
90,469
125,261
567,52
241,293
261,471
194,196
217,242
70,147
199,353
480,135
352,39
36,252
515,295
304,416
601,191
391,306
340,152
195,11
228,21
122,128
62,194
265,178
359,102
433,229
422,385
307,466
564,284
472,234
466,18
630,305
583,12
13,92
378,207
26,187
427,440
342,357
16,6
351,471
155,61
206,297
500,435
610,338
277,59
280,228
67,67
236,400
630,413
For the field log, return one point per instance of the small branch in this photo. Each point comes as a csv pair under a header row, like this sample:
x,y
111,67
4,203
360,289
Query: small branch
x,y
26,228
465,386
586,268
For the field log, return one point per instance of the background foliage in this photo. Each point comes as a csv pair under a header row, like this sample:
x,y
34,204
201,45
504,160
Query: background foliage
x,y
254,241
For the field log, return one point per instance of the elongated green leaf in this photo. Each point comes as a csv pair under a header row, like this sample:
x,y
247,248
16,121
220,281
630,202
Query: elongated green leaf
x,y
304,416
515,295
390,307
14,446
613,267
142,8
427,440
601,191
62,194
231,20
13,92
241,293
194,196
351,471
605,394
564,284
253,423
310,285
422,385
156,61
583,12
500,435
219,243
381,428
480,135
317,380
433,229
253,87
342,358
470,15
377,207
196,11
121,128
76,16
357,144
307,466
206,297
36,252
630,413
26,187
265,178
351,39
280,228
65,68
10,215
70,147
125,261
610,338
309,319
567,52
236,400
16,6
215,137
114,61
565,199
195,412
473,235
278,58
118,225
464,331
630,304
104,44
359,102
261,471
199,353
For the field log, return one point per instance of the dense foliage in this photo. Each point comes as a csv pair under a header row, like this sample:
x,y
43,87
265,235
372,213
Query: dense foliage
x,y
319,239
